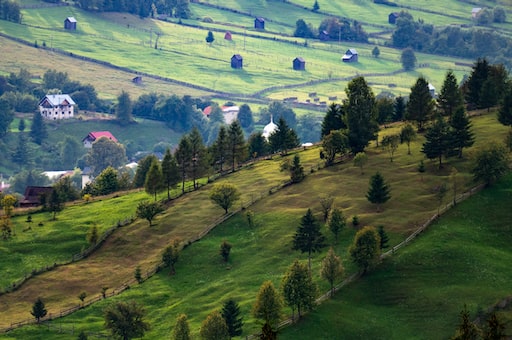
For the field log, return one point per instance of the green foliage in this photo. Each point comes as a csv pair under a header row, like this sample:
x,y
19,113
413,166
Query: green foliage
x,y
407,135
55,204
466,330
124,108
225,249
360,115
184,158
199,160
39,309
390,143
148,210
181,329
142,170
336,223
224,195
231,314
137,274
92,236
170,172
104,153
378,191
284,138
365,250
210,38
303,30
38,130
437,142
376,52
82,296
268,305
107,182
384,239
490,164
408,59
6,116
333,119
298,288
335,142
82,336
126,320
450,97
296,170
316,6
332,269
420,105
171,255
505,110
214,327
461,135
360,160
494,329
154,179
308,238
326,204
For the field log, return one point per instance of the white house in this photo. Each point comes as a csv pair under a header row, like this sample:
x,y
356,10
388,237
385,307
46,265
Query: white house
x,y
230,113
56,106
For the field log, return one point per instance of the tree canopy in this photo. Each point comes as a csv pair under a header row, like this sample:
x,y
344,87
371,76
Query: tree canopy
x,y
224,195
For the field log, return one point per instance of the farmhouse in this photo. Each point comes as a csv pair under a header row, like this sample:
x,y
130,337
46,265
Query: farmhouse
x,y
95,135
35,196
56,106
259,23
299,64
392,17
70,24
350,56
237,61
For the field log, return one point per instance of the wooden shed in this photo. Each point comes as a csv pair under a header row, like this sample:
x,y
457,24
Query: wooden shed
x,y
299,64
237,61
259,23
350,56
324,35
228,36
392,17
70,23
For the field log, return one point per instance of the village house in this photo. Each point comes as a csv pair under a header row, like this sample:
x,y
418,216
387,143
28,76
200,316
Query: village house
x,y
95,135
56,106
350,56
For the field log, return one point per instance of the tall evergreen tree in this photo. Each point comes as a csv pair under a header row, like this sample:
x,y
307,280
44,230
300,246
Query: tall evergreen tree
x,y
298,288
258,145
6,116
220,149
475,81
245,118
296,170
384,239
333,119
450,96
495,328
142,170
466,330
170,172
124,108
38,131
360,116
505,110
399,108
231,314
154,179
20,155
378,192
184,158
460,134
437,140
308,238
199,161
420,105
39,310
284,138
237,148
55,204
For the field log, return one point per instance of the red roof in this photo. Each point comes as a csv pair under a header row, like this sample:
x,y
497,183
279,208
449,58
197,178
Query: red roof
x,y
207,110
94,135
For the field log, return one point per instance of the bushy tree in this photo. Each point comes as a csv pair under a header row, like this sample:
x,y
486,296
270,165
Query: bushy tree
x,y
268,305
490,163
326,204
171,255
408,59
390,143
154,179
298,288
107,182
407,135
181,329
55,204
231,314
336,223
336,142
170,172
104,153
125,320
332,269
210,38
224,195
378,192
308,238
303,30
360,160
124,108
225,250
245,117
148,210
365,250
214,327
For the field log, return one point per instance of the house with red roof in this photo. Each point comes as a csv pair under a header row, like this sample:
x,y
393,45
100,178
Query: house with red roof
x,y
95,135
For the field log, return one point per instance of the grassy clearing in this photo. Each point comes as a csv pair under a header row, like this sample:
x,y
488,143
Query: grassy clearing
x,y
462,259
203,281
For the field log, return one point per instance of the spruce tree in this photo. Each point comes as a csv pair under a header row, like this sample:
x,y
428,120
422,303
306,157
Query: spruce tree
x,y
154,179
124,108
237,148
219,149
184,158
199,160
170,172
231,314
181,329
38,310
296,170
505,110
437,140
450,97
460,134
420,105
378,192
308,237
333,119
38,131
384,239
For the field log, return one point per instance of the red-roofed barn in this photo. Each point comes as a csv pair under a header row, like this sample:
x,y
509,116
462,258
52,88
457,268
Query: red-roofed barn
x,y
95,135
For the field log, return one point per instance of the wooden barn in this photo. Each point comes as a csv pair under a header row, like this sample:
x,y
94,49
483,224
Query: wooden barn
x,y
350,56
259,23
228,36
237,61
35,196
137,80
392,17
70,24
299,64
324,35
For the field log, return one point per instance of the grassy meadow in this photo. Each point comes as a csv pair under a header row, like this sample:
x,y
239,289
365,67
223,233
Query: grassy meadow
x,y
203,281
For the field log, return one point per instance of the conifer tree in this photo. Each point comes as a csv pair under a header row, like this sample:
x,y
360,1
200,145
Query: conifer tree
x,y
184,158
181,329
154,179
379,192
170,172
308,238
231,314
237,148
460,134
450,97
437,140
333,119
420,105
38,131
384,239
39,309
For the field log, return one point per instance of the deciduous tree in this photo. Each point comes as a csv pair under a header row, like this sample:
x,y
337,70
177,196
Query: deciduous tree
x,y
154,179
104,153
326,205
332,269
407,135
225,250
308,238
490,164
268,305
390,143
214,327
408,59
298,288
224,195
181,329
55,204
365,250
378,192
148,210
336,223
124,108
125,320
360,160
171,255
336,142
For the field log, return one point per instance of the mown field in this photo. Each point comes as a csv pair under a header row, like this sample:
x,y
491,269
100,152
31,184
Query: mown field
x,y
203,281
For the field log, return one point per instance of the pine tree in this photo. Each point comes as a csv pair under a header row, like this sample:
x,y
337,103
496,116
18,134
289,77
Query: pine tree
x,y
379,192
420,105
20,155
231,314
154,179
284,138
333,119
437,140
332,268
399,109
237,148
38,131
467,330
475,81
170,172
495,329
220,149
39,310
296,170
308,238
316,6
450,97
505,110
298,288
460,134
384,239
199,160
184,158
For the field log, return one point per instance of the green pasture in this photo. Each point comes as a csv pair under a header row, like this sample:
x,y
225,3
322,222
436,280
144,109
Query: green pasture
x,y
463,259
203,281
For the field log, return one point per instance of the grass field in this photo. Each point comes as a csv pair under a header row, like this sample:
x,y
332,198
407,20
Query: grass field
x,y
266,248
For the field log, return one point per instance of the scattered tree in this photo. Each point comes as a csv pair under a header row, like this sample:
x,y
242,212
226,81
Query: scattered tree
x,y
332,269
336,223
333,119
408,59
308,238
390,143
490,164
437,141
124,108
376,52
365,250
326,204
440,194
460,135
298,288
126,320
181,329
39,310
38,131
378,192
171,255
224,195
154,179
210,38
466,330
225,249
236,146
384,239
451,96
494,329
82,297
360,160
137,274
214,327
316,6
231,314
296,170
55,204
148,210
268,305
92,236
335,142
407,135
82,336
170,172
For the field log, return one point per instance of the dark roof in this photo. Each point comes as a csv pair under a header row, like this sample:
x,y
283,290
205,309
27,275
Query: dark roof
x,y
237,56
32,196
300,59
